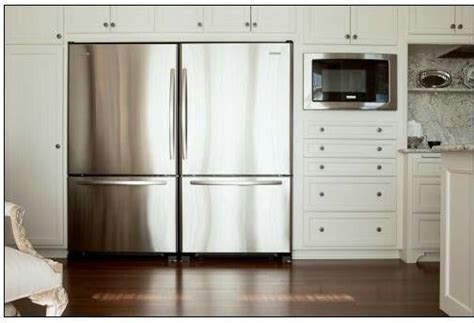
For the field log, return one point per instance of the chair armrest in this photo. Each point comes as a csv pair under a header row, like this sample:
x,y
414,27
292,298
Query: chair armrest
x,y
16,213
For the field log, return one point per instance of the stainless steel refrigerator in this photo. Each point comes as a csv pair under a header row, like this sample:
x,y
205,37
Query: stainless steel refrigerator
x,y
179,145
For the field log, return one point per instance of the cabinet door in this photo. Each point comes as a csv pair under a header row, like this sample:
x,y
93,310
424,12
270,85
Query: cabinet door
x,y
227,18
273,19
327,25
132,19
33,25
431,20
179,19
33,126
465,20
374,25
87,19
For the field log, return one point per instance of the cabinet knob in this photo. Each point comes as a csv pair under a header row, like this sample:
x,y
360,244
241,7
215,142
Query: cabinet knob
x,y
57,146
254,24
379,148
379,229
354,36
112,24
321,129
347,36
247,24
379,167
460,26
106,24
452,26
321,166
199,24
59,36
379,129
379,194
321,194
321,229
321,148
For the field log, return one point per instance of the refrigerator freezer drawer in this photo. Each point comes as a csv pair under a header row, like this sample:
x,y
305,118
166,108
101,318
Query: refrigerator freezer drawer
x,y
122,214
236,214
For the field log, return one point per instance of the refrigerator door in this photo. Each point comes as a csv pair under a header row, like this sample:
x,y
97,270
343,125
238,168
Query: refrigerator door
x,y
236,214
235,109
122,109
122,214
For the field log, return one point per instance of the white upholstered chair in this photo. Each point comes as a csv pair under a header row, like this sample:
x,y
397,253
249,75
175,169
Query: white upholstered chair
x,y
28,274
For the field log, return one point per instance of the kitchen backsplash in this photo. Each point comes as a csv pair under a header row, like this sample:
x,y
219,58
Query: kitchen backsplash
x,y
445,116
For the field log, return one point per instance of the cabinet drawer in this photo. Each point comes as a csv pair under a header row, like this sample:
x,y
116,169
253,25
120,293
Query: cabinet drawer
x,y
349,148
426,194
427,165
426,231
365,232
349,167
353,130
350,194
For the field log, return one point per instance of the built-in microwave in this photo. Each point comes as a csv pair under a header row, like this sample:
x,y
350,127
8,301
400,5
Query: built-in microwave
x,y
350,81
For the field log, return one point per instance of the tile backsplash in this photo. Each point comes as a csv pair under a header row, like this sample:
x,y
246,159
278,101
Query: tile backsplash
x,y
445,116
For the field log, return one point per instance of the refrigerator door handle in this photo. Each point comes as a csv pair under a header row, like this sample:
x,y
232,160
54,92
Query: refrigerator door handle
x,y
120,182
184,112
235,183
172,113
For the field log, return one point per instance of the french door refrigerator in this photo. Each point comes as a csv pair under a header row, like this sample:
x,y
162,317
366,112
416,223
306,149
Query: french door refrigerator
x,y
192,133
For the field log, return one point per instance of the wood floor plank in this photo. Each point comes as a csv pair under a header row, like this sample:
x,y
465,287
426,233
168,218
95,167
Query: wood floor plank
x,y
246,287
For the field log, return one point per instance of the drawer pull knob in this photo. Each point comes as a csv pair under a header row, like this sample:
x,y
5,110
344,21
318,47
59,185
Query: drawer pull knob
x,y
460,26
106,25
379,194
112,25
321,129
452,26
58,146
321,148
59,36
379,148
379,167
321,166
321,229
379,129
321,194
199,24
379,229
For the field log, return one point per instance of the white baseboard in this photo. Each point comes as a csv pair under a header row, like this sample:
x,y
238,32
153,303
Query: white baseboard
x,y
429,257
347,254
52,253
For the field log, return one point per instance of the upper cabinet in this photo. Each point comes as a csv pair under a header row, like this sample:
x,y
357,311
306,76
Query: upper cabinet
x,y
327,24
440,20
273,19
227,18
179,19
100,19
34,25
374,25
87,19
358,25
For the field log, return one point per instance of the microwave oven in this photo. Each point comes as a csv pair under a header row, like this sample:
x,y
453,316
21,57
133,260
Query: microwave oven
x,y
346,81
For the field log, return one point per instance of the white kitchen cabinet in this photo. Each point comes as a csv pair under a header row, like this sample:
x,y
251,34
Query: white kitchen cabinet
x,y
179,19
227,18
464,20
273,19
327,24
441,20
33,139
34,25
132,19
87,19
422,207
457,234
374,25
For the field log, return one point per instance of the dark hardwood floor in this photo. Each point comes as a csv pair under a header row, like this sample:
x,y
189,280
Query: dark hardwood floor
x,y
243,287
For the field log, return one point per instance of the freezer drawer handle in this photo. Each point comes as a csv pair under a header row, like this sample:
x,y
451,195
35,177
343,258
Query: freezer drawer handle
x,y
121,183
236,183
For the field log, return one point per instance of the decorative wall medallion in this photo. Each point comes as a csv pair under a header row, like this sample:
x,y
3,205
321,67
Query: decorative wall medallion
x,y
434,79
